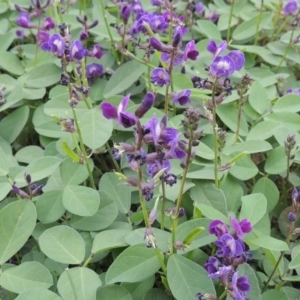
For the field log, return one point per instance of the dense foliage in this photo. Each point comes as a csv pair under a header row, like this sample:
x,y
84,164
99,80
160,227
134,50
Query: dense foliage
x,y
149,150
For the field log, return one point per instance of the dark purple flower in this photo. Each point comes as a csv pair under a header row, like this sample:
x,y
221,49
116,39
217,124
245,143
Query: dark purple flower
x,y
218,228
159,133
42,37
166,57
222,66
154,168
177,36
170,179
20,33
124,118
77,52
239,287
213,16
174,149
156,44
228,246
292,217
94,70
24,21
48,24
84,35
238,58
240,228
215,269
291,7
20,192
56,45
96,52
146,104
160,76
182,98
190,51
157,2
216,49
147,190
125,13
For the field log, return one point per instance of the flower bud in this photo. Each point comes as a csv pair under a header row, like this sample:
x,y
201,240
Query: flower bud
x,y
152,216
125,13
177,37
146,104
292,217
27,177
156,44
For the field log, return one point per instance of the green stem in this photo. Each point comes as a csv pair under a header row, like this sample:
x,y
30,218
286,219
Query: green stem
x,y
215,135
230,19
163,206
88,260
223,294
82,147
112,157
168,86
278,31
258,22
237,132
287,49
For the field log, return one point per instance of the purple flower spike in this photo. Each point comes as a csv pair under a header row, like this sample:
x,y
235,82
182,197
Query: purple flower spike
x,y
94,70
182,98
238,58
239,287
222,66
190,51
241,227
218,228
160,76
48,24
215,49
124,118
291,7
23,20
77,52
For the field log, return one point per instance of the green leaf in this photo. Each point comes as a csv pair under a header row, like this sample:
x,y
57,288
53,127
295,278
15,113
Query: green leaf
x,y
43,76
211,212
262,130
123,78
268,242
63,244
12,125
3,163
269,189
208,29
253,208
139,289
117,191
11,63
134,264
29,153
157,294
258,97
26,276
49,207
17,221
78,283
81,200
295,262
204,151
38,293
274,294
109,239
113,292
106,214
39,169
290,120
287,103
95,128
248,28
253,146
276,161
244,168
186,278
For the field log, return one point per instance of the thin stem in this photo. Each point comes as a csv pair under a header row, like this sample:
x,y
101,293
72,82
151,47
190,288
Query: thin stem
x,y
258,22
223,294
163,205
287,49
279,30
129,54
149,78
230,19
169,70
117,167
88,260
82,147
237,132
108,30
215,135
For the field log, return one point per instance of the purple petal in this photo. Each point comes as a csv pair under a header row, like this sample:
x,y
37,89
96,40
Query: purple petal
x,y
109,111
126,119
123,104
238,58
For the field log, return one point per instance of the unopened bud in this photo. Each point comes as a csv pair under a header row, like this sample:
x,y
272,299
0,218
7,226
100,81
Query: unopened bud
x,y
146,104
27,177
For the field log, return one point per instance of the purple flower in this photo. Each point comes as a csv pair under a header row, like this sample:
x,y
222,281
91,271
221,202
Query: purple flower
x,y
84,35
96,52
239,287
48,24
136,7
166,57
42,37
160,76
238,58
20,33
146,104
291,7
292,217
228,246
240,228
222,66
159,133
175,151
218,228
199,8
153,169
190,51
157,2
177,36
213,16
124,118
182,98
94,70
215,269
216,49
23,20
77,52
56,45
147,190
125,13
158,23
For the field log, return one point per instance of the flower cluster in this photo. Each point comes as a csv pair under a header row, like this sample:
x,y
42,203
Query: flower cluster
x,y
33,189
231,252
